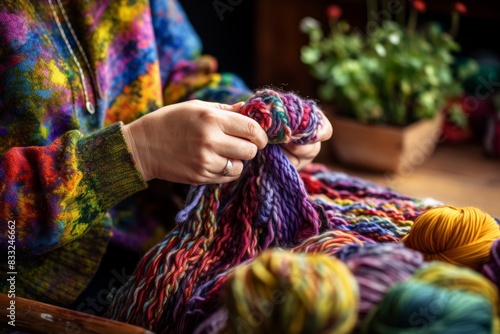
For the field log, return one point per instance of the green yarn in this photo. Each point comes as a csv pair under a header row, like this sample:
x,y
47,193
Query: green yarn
x,y
450,277
416,307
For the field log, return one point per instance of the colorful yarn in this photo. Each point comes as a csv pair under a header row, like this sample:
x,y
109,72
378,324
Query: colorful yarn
x,y
225,225
451,277
491,269
416,307
214,324
329,242
284,116
461,236
282,292
377,267
355,205
177,283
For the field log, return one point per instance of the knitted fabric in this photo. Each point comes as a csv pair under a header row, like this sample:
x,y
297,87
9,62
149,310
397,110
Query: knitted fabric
x,y
175,286
62,168
362,207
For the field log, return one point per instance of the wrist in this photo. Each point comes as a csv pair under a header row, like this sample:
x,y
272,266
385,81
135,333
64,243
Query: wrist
x,y
131,143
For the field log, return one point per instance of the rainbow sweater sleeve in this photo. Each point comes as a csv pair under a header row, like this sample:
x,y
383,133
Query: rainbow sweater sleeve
x,y
61,167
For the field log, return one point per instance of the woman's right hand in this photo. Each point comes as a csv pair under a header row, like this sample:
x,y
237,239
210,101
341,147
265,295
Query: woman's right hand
x,y
191,142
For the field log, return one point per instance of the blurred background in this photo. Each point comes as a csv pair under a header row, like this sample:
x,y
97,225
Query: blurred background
x,y
261,41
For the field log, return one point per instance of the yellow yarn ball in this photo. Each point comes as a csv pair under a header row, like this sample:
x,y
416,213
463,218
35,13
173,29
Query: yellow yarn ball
x,y
461,236
283,292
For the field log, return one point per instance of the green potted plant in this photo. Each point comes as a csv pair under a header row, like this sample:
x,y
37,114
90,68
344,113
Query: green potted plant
x,y
387,84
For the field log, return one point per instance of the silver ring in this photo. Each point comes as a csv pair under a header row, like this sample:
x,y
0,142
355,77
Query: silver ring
x,y
228,167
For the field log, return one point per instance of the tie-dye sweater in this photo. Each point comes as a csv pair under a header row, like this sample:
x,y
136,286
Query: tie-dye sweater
x,y
61,167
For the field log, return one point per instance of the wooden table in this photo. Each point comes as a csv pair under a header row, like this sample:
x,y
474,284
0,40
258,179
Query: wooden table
x,y
458,175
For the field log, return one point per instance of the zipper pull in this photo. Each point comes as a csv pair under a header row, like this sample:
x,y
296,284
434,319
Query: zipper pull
x,y
90,107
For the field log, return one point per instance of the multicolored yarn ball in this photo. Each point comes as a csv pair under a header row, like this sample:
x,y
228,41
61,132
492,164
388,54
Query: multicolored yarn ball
x,y
415,307
176,282
461,236
377,267
452,277
283,292
329,242
491,269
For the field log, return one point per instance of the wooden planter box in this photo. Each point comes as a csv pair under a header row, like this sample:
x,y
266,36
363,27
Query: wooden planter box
x,y
385,148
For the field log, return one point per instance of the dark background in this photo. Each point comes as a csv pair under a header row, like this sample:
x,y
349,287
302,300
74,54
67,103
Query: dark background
x,y
260,39
231,40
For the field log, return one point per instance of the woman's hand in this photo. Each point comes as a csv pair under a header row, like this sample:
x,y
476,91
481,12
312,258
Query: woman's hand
x,y
302,155
191,142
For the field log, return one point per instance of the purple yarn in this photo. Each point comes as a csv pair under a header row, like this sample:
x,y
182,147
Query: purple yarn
x,y
377,267
491,269
214,324
283,201
306,110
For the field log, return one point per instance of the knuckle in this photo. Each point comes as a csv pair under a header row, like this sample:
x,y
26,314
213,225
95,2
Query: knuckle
x,y
203,164
204,137
206,116
252,129
198,175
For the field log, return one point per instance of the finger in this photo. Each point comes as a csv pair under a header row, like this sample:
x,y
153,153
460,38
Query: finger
x,y
325,130
301,155
307,152
244,127
228,107
230,168
237,106
235,148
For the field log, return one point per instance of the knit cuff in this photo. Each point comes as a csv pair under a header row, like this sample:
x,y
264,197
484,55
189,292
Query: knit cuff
x,y
107,162
59,277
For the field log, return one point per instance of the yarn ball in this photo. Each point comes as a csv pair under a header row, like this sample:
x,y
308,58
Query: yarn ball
x,y
451,277
328,243
417,307
461,236
377,267
271,109
491,269
283,292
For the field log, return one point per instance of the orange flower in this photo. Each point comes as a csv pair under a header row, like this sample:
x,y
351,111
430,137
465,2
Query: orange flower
x,y
419,6
460,7
334,12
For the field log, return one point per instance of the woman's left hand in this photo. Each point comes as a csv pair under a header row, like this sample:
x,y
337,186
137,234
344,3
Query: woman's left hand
x,y
302,155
